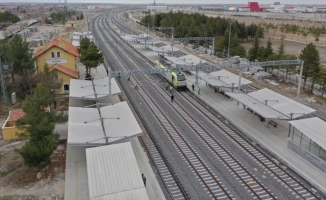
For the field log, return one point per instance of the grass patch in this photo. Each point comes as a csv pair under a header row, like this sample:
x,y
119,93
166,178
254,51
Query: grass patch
x,y
3,174
7,197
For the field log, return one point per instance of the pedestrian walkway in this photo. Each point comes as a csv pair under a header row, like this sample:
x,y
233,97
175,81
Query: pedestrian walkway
x,y
273,139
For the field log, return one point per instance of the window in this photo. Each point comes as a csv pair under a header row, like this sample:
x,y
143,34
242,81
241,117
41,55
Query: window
x,y
66,87
58,54
52,55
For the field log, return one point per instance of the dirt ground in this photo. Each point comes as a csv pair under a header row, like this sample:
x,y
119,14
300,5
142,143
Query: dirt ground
x,y
19,182
290,46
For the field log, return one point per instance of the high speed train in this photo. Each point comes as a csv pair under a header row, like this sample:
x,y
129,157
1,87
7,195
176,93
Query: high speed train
x,y
177,79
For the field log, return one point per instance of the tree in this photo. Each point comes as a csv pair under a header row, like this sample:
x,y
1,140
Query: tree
x,y
220,46
261,53
236,49
289,68
38,125
83,45
50,80
310,56
21,59
240,51
193,30
253,51
280,50
90,56
268,49
47,21
7,16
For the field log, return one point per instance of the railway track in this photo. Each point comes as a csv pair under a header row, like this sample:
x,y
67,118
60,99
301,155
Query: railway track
x,y
248,180
169,179
270,165
189,154
214,186
251,182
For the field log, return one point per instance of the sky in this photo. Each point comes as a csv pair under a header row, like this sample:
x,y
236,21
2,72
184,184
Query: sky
x,y
174,1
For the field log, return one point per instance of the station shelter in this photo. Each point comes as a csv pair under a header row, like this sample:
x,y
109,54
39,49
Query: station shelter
x,y
309,140
101,163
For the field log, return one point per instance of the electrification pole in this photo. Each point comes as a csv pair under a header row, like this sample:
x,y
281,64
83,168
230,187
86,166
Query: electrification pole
x,y
230,23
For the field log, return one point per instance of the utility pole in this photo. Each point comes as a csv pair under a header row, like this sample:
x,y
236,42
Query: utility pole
x,y
230,23
172,40
299,84
66,10
4,91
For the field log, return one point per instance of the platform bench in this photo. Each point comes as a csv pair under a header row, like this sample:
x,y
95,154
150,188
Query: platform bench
x,y
262,119
271,122
250,110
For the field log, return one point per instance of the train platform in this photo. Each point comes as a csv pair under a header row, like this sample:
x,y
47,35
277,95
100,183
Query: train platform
x,y
274,140
76,180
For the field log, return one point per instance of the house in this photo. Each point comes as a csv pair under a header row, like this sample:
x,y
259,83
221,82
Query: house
x,y
61,56
70,24
9,128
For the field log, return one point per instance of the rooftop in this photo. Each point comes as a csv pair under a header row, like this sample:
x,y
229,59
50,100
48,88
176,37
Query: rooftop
x,y
64,70
113,173
85,126
83,89
314,128
60,43
15,114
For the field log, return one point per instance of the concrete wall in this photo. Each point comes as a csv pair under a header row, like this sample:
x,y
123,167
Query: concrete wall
x,y
9,131
307,156
65,80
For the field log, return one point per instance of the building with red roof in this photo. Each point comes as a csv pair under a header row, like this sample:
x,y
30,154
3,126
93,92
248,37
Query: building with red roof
x,y
60,56
9,128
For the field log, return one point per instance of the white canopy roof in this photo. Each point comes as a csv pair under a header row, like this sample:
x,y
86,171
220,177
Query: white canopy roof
x,y
223,78
76,37
314,128
141,36
257,106
85,128
149,42
129,37
272,105
83,89
113,173
163,49
191,59
76,43
175,60
77,33
281,103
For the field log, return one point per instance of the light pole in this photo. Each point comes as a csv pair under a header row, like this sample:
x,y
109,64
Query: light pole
x,y
230,23
299,84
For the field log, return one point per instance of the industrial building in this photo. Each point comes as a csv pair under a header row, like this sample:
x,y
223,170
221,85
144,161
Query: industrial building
x,y
157,6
